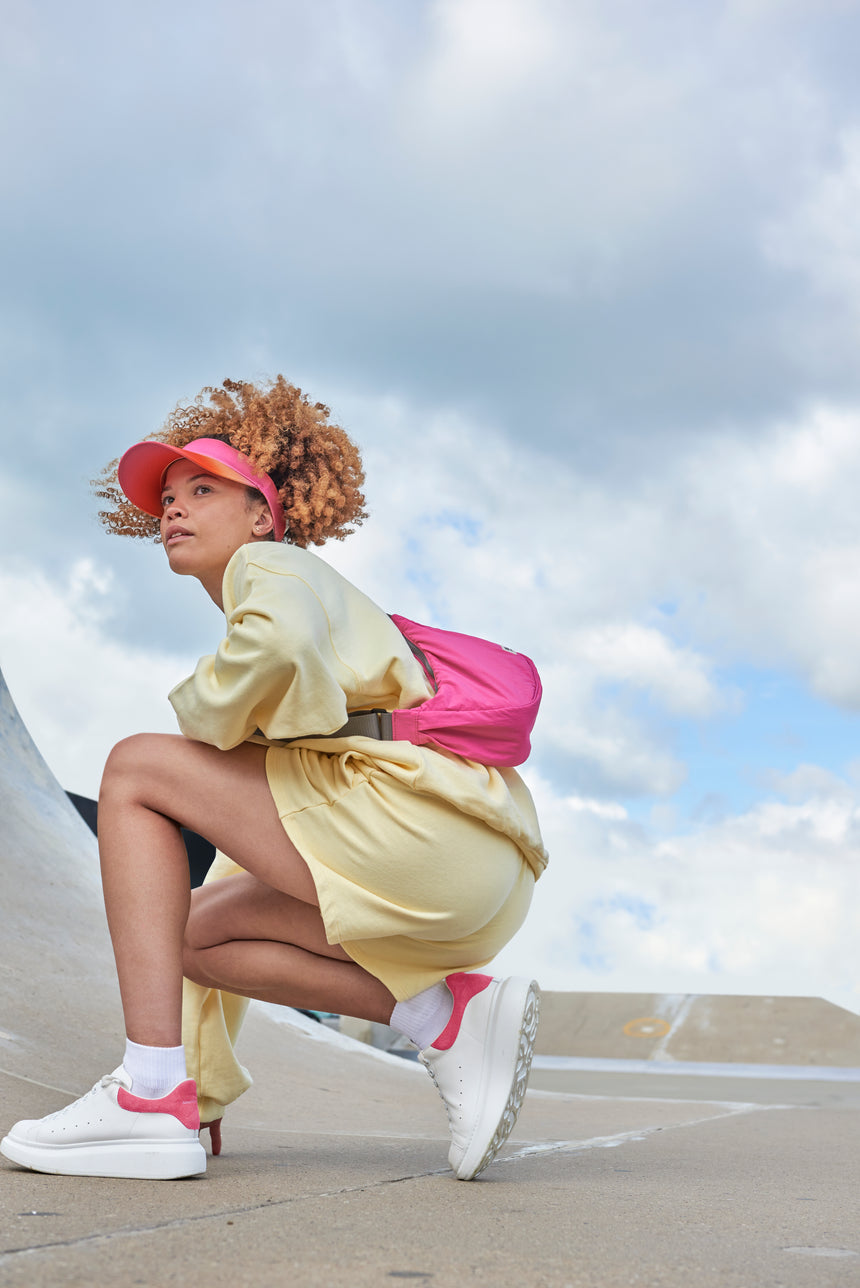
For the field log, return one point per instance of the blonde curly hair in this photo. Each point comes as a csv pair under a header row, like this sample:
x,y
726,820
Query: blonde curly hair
x,y
315,466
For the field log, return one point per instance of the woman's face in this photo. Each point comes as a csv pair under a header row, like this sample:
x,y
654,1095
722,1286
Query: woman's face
x,y
204,521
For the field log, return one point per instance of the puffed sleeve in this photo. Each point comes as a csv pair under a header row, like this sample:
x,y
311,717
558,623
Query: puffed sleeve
x,y
276,672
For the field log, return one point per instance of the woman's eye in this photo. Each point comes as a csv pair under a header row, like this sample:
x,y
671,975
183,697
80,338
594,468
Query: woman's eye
x,y
203,487
166,501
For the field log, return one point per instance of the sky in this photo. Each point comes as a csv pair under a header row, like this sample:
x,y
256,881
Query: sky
x,y
583,280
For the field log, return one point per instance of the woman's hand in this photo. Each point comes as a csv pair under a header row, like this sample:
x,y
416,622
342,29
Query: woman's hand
x,y
214,1135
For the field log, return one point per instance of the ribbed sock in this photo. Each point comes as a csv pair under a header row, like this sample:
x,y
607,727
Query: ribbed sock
x,y
153,1070
424,1017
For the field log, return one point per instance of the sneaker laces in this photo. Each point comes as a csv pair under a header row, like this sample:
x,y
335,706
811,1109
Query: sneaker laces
x,y
108,1080
102,1083
428,1066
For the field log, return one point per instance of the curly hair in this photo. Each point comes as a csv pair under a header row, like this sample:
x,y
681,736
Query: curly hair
x,y
315,466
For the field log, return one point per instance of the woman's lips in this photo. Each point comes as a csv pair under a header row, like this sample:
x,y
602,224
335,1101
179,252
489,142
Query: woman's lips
x,y
175,535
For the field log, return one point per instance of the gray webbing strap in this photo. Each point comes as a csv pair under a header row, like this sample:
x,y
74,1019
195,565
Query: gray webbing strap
x,y
365,724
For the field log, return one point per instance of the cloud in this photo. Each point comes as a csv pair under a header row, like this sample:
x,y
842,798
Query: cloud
x,y
635,598
77,690
482,56
583,281
815,238
644,658
734,550
769,534
763,902
555,219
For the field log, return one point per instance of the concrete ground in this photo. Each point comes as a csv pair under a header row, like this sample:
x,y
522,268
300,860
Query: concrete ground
x,y
620,1172
334,1173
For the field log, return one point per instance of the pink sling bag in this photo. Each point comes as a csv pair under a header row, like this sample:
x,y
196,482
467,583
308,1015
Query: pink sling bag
x,y
484,704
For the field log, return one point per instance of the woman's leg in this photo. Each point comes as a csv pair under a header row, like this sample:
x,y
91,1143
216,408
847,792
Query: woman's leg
x,y
244,937
152,784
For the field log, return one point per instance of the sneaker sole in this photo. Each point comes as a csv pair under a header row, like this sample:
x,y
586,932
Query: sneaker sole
x,y
121,1160
469,1167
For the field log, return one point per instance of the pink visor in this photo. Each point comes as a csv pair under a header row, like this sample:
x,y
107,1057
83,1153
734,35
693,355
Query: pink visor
x,y
142,467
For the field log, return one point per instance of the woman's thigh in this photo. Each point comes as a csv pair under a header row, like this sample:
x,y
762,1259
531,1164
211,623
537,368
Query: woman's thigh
x,y
222,795
240,907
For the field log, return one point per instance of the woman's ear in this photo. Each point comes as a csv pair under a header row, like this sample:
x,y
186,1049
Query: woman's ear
x,y
263,523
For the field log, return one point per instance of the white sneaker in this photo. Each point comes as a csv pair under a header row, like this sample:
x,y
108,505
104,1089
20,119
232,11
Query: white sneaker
x,y
110,1132
480,1064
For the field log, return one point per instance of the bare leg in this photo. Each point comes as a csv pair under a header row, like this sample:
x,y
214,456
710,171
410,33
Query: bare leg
x,y
153,783
246,938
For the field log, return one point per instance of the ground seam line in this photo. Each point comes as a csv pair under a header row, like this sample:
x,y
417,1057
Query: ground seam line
x,y
527,1151
156,1227
635,1134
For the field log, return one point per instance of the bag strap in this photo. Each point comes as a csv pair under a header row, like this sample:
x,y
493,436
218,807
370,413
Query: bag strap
x,y
365,724
424,661
378,723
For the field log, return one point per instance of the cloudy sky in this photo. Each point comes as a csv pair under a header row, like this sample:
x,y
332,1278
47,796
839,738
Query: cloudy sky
x,y
583,279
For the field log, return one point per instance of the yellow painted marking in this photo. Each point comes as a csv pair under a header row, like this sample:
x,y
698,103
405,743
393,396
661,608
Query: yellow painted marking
x,y
648,1026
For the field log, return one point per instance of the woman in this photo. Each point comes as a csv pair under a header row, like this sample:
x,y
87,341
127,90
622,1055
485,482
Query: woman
x,y
364,878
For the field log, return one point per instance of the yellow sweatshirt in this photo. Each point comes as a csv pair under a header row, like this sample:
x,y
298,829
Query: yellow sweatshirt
x,y
303,649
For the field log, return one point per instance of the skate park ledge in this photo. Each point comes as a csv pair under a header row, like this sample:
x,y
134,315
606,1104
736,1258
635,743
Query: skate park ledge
x,y
682,1028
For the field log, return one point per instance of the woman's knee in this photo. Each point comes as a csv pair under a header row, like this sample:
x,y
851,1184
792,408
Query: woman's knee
x,y
132,760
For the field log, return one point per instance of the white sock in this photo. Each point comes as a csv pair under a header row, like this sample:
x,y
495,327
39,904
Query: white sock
x,y
423,1018
153,1070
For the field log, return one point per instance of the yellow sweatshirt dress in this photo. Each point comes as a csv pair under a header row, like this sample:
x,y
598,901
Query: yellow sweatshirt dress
x,y
424,863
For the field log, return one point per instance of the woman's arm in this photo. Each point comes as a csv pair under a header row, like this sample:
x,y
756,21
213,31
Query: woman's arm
x,y
276,671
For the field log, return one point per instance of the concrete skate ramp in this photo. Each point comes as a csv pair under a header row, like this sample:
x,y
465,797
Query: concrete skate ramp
x,y
685,1027
334,1171
59,1004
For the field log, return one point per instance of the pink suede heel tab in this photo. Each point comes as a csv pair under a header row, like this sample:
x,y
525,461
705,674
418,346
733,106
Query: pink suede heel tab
x,y
463,988
181,1103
